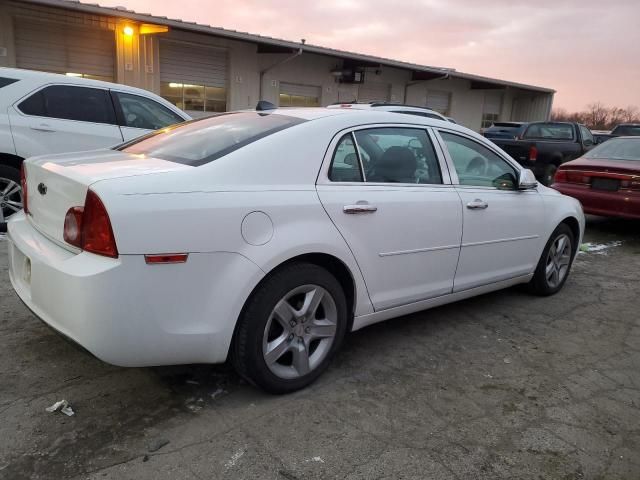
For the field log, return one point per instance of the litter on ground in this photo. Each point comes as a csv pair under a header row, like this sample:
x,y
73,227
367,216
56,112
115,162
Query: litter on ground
x,y
599,248
63,406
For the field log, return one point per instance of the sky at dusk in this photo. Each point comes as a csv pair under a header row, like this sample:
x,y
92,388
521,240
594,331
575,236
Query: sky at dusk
x,y
587,50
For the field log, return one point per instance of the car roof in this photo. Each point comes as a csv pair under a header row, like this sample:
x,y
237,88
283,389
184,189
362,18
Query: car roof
x,y
44,77
366,115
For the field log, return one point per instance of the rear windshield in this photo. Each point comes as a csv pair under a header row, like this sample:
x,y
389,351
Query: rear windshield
x,y
626,130
617,149
4,81
202,141
550,131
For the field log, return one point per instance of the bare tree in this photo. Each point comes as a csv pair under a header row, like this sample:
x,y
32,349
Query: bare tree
x,y
631,114
597,116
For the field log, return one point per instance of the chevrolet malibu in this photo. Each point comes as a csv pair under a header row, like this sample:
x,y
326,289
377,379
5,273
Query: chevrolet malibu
x,y
266,236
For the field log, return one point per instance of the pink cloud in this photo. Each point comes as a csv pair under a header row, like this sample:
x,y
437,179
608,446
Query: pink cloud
x,y
585,49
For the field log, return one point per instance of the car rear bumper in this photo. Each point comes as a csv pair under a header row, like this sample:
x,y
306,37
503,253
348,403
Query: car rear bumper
x,y
622,203
126,312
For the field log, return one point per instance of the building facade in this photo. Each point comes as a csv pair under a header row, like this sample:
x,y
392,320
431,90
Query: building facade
x,y
204,69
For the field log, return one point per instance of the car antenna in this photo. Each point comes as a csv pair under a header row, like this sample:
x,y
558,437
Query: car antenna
x,y
264,105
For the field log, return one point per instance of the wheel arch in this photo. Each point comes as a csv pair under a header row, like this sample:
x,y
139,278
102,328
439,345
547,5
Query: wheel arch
x,y
574,225
333,265
11,160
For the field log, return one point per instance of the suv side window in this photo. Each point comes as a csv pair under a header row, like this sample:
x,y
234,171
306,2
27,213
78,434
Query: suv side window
x,y
477,165
587,137
68,102
345,166
142,112
398,155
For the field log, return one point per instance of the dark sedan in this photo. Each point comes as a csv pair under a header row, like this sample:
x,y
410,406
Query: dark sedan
x,y
606,179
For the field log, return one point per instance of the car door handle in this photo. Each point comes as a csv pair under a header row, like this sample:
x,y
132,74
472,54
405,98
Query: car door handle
x,y
42,127
477,204
356,209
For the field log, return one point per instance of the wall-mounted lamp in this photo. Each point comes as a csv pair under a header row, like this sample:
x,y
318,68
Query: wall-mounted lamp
x,y
128,31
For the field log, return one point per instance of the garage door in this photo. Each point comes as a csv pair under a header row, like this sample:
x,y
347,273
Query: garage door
x,y
374,92
439,101
193,77
491,108
294,95
87,52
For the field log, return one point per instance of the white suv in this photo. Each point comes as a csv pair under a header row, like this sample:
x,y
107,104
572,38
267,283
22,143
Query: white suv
x,y
396,108
45,113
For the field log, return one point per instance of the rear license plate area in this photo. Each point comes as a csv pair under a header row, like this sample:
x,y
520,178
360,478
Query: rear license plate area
x,y
605,184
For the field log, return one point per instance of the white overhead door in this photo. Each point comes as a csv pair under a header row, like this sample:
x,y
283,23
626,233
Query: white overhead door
x,y
439,101
347,92
193,64
492,102
193,77
294,95
50,47
374,92
491,108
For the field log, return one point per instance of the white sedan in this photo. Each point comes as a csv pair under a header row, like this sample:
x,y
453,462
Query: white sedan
x,y
265,236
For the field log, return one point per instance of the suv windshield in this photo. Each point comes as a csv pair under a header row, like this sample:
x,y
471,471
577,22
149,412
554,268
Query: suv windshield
x,y
199,142
550,131
626,130
617,149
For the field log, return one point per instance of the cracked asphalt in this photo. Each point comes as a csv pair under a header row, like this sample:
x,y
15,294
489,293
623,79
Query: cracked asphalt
x,y
501,386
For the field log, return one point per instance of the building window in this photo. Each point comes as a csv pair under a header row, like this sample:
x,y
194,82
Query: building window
x,y
287,100
195,98
489,119
102,78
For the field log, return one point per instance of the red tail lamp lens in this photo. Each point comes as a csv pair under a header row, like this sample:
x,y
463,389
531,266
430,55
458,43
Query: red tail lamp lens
x,y
89,227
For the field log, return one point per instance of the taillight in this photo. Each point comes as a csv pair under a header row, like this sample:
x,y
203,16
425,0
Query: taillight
x,y
533,154
560,177
23,185
89,227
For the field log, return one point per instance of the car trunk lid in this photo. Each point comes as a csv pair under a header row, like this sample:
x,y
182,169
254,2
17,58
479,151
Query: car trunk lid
x,y
59,182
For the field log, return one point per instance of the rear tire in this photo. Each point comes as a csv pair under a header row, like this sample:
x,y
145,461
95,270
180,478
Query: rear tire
x,y
555,263
9,179
290,328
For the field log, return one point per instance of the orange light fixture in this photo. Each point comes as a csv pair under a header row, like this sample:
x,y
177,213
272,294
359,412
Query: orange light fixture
x,y
128,31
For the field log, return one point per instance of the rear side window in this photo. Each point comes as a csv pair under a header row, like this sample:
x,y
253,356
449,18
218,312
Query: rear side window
x,y
386,155
345,166
199,142
6,81
142,112
69,102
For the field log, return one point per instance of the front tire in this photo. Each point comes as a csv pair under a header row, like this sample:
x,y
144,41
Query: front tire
x,y
555,263
290,328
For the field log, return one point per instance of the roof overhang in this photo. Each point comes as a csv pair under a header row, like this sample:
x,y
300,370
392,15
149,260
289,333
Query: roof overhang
x,y
275,45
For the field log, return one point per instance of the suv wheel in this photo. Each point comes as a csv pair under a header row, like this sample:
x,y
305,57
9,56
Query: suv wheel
x,y
10,194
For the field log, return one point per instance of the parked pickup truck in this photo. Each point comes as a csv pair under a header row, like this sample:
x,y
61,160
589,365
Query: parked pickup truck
x,y
544,146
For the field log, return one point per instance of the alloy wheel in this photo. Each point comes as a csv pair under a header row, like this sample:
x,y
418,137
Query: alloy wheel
x,y
300,331
10,198
558,260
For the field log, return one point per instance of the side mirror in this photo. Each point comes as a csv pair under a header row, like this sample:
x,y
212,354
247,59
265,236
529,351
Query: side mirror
x,y
527,180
